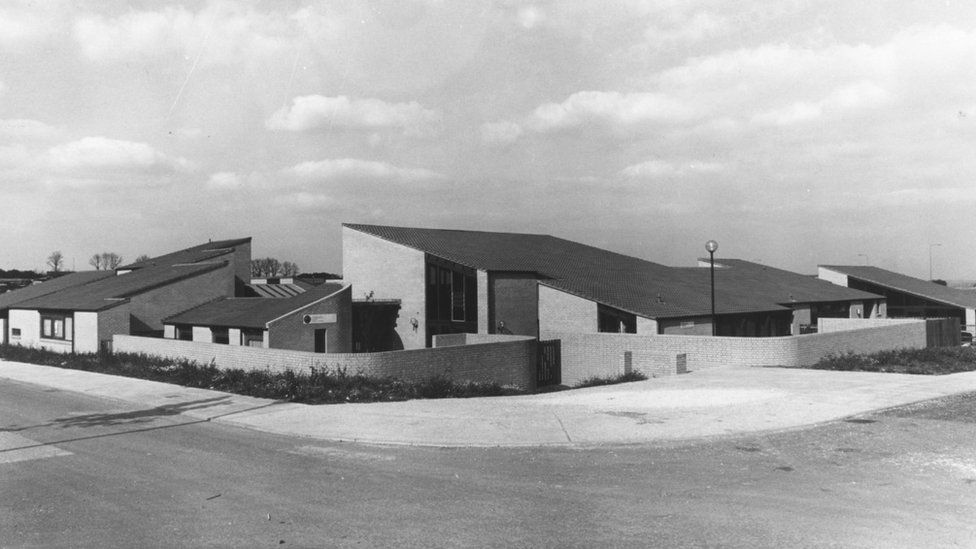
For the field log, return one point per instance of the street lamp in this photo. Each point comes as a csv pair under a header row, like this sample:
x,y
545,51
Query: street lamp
x,y
930,259
711,246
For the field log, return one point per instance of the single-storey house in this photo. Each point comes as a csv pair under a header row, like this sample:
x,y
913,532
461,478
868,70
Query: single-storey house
x,y
12,298
907,297
454,281
318,320
131,300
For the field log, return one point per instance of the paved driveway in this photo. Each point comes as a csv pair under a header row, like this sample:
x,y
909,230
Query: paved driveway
x,y
706,403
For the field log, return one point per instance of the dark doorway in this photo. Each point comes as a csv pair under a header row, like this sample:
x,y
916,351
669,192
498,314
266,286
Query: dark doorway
x,y
320,341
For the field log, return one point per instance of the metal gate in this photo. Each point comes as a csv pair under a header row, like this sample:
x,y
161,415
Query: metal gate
x,y
548,367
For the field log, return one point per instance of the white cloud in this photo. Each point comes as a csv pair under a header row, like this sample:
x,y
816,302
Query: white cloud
x,y
312,112
224,180
19,128
351,168
23,27
113,156
699,26
502,132
305,201
610,108
221,32
656,169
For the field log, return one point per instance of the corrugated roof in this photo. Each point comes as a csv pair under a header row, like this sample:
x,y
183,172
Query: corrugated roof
x,y
249,312
111,290
907,284
15,297
195,254
632,284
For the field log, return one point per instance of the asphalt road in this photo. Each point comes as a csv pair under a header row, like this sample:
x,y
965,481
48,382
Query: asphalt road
x,y
81,472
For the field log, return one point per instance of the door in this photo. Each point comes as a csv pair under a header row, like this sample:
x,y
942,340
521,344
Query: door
x,y
320,341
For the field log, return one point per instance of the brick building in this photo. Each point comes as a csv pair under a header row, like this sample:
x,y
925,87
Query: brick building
x,y
133,299
318,320
451,281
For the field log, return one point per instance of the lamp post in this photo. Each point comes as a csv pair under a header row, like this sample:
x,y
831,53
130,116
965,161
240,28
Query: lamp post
x,y
711,246
930,259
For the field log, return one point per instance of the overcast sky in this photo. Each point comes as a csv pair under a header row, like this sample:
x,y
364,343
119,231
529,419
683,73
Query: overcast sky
x,y
792,132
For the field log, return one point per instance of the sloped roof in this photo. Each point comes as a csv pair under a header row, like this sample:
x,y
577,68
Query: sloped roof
x,y
250,312
628,283
195,254
26,293
907,284
786,286
275,290
111,290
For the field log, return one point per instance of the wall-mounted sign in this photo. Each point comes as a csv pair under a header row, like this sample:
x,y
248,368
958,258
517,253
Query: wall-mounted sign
x,y
329,318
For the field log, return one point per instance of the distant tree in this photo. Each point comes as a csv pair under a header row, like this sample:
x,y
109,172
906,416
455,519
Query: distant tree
x,y
269,267
289,269
55,261
105,261
142,258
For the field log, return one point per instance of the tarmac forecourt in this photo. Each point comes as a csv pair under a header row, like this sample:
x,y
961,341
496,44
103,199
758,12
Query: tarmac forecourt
x,y
707,403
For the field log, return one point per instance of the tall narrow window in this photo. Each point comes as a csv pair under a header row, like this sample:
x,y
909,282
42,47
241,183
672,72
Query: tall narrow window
x,y
56,326
457,296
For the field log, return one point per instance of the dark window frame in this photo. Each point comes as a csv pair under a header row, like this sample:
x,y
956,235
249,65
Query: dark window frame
x,y
49,329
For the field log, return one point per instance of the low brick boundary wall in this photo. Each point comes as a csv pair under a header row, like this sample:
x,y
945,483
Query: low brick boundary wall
x,y
605,355
508,362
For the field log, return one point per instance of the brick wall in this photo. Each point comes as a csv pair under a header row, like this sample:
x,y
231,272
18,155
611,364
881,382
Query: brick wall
x,y
587,354
563,312
508,362
515,301
290,332
390,271
151,307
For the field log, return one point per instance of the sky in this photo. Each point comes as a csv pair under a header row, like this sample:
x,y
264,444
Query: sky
x,y
792,132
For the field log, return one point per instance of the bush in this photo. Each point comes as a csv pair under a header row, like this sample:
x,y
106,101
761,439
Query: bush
x,y
928,361
317,386
595,381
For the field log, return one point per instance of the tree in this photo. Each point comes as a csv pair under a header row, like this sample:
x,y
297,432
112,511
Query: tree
x,y
105,261
269,267
142,258
55,261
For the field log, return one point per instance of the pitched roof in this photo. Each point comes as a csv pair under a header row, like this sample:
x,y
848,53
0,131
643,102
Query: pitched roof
x,y
15,297
786,286
250,312
195,254
275,290
112,290
907,284
628,283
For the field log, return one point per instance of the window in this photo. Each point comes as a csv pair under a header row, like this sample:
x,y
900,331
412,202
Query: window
x,y
219,335
56,326
253,338
184,333
15,332
457,297
610,320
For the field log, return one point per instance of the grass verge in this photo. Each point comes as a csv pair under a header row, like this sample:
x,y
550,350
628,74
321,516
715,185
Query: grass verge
x,y
317,386
929,361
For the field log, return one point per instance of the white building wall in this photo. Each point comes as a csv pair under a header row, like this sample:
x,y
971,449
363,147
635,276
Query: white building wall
x,y
563,312
483,316
833,277
29,323
86,332
3,330
234,336
646,326
169,331
203,334
386,270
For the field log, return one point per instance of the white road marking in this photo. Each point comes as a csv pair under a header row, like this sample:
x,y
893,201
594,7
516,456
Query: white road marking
x,y
14,448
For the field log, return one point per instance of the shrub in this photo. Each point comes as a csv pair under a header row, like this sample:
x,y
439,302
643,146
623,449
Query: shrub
x,y
928,361
316,386
595,381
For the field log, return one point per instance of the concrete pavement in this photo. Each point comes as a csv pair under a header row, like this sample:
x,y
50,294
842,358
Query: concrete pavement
x,y
706,403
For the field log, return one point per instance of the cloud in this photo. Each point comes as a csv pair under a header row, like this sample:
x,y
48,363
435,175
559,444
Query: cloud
x,y
685,30
497,133
224,180
20,129
608,108
657,169
100,154
351,168
316,112
223,32
24,27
